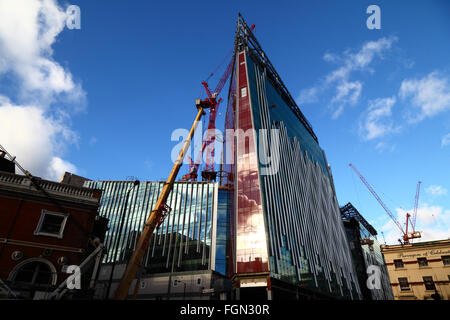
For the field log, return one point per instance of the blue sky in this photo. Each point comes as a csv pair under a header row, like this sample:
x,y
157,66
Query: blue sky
x,y
104,100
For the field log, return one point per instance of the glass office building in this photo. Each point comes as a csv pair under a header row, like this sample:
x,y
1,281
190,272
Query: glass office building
x,y
366,251
286,228
193,236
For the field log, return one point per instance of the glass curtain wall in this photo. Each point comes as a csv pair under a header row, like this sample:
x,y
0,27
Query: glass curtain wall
x,y
183,242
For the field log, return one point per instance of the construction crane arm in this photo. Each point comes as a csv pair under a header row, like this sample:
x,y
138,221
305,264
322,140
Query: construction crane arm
x,y
378,198
416,205
209,142
225,76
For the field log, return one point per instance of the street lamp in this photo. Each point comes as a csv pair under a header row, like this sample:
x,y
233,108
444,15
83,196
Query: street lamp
x,y
119,236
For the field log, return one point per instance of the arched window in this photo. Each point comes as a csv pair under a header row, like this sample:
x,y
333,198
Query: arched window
x,y
34,272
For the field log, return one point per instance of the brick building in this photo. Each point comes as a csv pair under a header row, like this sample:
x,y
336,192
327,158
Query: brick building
x,y
44,227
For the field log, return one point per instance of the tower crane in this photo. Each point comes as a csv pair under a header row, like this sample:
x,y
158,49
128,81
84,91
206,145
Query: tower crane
x,y
406,236
208,144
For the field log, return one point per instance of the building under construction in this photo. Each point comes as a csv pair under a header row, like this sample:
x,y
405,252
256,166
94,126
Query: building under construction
x,y
366,253
269,228
287,237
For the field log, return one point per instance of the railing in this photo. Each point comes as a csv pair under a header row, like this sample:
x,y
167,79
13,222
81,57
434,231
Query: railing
x,y
49,186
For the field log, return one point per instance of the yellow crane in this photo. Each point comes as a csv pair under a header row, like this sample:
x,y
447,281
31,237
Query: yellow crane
x,y
161,209
159,212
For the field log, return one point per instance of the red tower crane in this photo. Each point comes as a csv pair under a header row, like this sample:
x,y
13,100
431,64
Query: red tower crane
x,y
208,144
406,236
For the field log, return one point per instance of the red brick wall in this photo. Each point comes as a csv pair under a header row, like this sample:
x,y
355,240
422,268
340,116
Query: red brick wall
x,y
18,221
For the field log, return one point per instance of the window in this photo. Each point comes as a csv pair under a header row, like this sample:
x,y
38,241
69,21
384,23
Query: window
x,y
51,224
446,260
398,263
243,92
429,283
35,273
422,262
404,285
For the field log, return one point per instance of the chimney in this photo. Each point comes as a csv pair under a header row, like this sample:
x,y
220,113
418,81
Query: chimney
x,y
5,164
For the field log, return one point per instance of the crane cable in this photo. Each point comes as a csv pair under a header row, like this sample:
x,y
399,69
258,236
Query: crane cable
x,y
220,64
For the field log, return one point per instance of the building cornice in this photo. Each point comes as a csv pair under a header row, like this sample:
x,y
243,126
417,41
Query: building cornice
x,y
13,185
415,246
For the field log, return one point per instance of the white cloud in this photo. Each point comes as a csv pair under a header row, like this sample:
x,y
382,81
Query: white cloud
x,y
36,127
382,146
425,98
329,57
426,214
377,121
35,139
432,221
445,140
28,29
436,190
59,166
429,95
308,96
361,59
347,91
433,235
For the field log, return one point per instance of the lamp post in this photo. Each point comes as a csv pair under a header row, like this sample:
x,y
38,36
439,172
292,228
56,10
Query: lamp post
x,y
119,236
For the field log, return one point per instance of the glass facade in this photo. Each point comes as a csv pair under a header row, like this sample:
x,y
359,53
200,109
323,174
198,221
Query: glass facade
x,y
187,239
366,251
223,231
285,217
307,243
251,241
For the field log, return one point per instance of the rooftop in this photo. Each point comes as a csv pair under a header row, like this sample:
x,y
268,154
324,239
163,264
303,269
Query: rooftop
x,y
246,38
444,242
23,184
349,211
